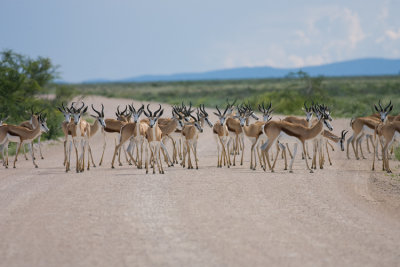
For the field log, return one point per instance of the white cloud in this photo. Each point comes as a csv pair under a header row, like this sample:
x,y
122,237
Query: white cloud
x,y
393,35
355,32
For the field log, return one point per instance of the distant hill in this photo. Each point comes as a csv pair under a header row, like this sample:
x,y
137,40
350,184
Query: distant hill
x,y
358,67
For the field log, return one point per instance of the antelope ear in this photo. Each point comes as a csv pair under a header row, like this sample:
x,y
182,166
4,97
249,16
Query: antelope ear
x,y
60,109
376,108
84,110
390,109
161,112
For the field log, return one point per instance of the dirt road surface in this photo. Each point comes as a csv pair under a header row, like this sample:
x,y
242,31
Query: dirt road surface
x,y
344,215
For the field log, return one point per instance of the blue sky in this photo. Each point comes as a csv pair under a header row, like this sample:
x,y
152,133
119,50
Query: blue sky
x,y
119,39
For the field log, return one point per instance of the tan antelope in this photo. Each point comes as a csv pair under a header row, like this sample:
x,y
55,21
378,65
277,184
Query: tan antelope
x,y
129,132
306,122
80,132
113,128
387,133
252,132
366,125
64,126
29,124
139,135
279,130
191,134
21,135
221,135
97,126
153,137
338,140
172,129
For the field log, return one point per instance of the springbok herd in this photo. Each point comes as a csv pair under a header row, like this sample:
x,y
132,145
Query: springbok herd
x,y
135,136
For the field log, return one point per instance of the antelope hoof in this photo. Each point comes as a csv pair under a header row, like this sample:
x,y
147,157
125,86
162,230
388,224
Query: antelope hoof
x,y
311,171
112,167
42,158
36,166
389,171
147,172
291,171
120,164
197,168
272,171
130,163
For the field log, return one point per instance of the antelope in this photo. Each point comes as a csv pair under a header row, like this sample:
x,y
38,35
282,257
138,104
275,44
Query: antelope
x,y
387,132
98,124
191,134
64,126
339,140
30,125
366,125
252,132
277,130
307,122
172,129
153,137
80,132
221,134
130,131
113,127
22,135
139,135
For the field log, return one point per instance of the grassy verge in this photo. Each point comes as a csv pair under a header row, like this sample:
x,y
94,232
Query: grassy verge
x,y
348,96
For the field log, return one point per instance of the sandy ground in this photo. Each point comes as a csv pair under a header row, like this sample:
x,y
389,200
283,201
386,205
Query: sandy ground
x,y
344,215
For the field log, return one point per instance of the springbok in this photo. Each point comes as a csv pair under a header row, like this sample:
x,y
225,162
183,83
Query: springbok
x,y
80,132
366,125
153,137
98,124
22,135
221,135
278,130
252,132
191,135
387,133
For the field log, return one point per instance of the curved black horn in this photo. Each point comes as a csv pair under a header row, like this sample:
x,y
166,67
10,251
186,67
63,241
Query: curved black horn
x,y
102,110
390,103
379,103
155,113
150,113
98,113
219,111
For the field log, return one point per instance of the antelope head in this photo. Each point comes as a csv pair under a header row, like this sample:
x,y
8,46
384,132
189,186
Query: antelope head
x,y
43,123
222,116
187,112
321,115
135,114
308,111
383,112
230,107
327,111
177,117
153,117
248,107
203,114
100,115
124,115
266,111
197,122
66,112
243,116
77,113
